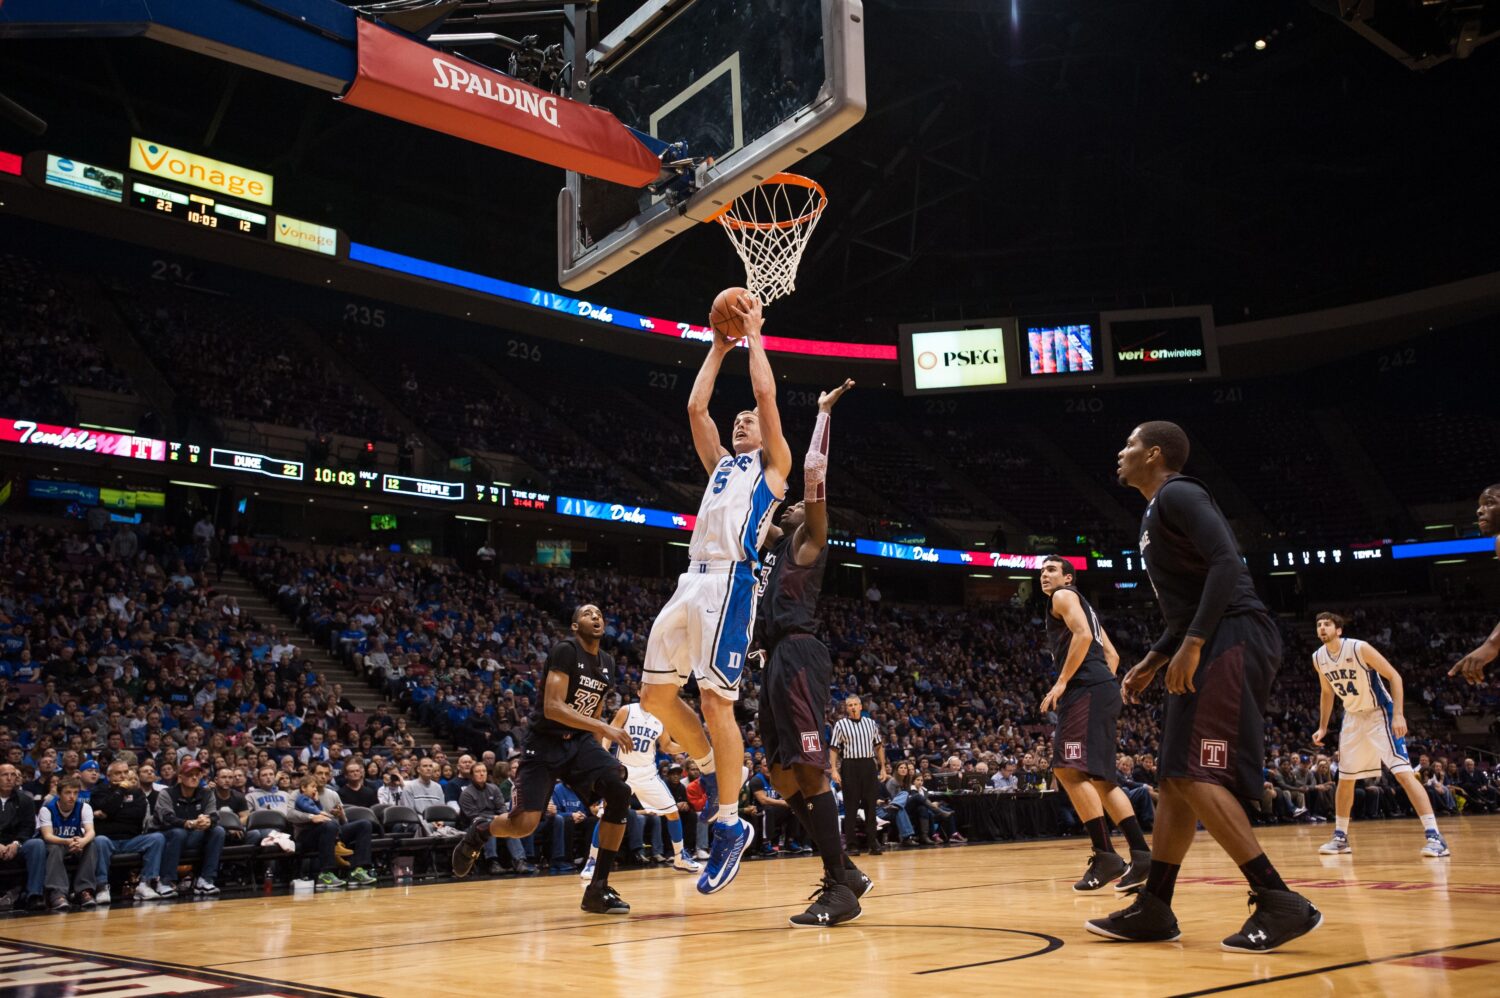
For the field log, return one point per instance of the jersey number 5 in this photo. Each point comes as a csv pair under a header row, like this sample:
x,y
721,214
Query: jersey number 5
x,y
721,479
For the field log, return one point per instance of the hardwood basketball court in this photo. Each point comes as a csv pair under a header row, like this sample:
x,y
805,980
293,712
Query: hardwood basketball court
x,y
956,921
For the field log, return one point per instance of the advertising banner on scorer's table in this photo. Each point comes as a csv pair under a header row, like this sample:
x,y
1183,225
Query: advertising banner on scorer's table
x,y
306,235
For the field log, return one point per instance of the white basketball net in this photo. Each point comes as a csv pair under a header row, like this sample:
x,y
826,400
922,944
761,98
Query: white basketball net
x,y
769,226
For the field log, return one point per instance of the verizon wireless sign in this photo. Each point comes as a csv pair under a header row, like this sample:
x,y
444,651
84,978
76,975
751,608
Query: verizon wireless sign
x,y
70,438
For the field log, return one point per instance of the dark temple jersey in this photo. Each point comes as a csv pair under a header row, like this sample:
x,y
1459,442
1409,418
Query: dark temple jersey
x,y
588,682
788,594
1094,669
1193,562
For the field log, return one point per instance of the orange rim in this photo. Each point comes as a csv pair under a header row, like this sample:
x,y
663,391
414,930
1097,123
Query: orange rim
x,y
726,217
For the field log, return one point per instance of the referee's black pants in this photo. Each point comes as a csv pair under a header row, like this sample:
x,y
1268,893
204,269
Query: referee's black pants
x,y
860,791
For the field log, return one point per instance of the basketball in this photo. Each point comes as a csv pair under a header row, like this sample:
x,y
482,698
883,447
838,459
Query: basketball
x,y
724,318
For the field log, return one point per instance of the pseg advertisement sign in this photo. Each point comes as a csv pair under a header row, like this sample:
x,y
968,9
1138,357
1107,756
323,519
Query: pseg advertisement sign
x,y
954,359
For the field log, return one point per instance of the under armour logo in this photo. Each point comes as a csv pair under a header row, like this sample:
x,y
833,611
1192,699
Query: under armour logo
x,y
1093,881
1256,937
823,917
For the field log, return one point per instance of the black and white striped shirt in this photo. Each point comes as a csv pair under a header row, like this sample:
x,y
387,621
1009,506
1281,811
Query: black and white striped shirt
x,y
856,739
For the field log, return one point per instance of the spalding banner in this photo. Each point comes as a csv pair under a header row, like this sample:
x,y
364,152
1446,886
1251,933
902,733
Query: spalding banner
x,y
412,82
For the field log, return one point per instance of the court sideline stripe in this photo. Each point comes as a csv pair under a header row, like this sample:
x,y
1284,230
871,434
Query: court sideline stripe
x,y
595,924
187,969
1336,967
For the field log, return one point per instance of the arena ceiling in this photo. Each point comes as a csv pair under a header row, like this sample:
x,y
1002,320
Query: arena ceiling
x,y
1017,156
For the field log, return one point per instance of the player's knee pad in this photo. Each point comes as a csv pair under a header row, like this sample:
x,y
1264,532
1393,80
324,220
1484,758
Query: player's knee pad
x,y
616,795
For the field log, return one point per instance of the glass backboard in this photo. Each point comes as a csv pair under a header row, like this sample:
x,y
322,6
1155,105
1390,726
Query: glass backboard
x,y
755,84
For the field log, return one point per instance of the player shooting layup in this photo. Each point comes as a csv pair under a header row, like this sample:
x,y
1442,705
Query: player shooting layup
x,y
704,630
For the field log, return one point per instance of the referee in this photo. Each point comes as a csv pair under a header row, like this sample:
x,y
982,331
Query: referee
x,y
856,749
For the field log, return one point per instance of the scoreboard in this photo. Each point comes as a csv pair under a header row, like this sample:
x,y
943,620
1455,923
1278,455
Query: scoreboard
x,y
195,208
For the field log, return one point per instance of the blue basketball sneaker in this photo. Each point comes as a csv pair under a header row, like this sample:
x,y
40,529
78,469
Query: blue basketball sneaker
x,y
1434,845
730,841
710,784
1338,844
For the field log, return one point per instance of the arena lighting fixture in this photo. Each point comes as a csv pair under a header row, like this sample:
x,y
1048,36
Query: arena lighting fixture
x,y
1450,561
850,564
111,429
471,519
675,544
1283,573
1260,45
981,575
1439,526
1018,578
191,485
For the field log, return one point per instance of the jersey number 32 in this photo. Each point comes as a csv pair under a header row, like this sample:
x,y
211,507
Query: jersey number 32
x,y
586,703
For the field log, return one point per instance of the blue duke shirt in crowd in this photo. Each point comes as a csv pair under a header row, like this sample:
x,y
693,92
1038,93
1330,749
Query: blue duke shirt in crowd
x,y
65,826
565,800
273,799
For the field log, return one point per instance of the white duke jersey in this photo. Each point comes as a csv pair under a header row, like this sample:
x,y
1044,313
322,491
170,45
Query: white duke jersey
x,y
1357,685
736,511
644,730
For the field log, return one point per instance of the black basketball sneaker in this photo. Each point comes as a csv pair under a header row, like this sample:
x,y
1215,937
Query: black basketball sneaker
x,y
1276,918
469,847
1103,867
601,899
1146,921
858,881
1134,877
832,904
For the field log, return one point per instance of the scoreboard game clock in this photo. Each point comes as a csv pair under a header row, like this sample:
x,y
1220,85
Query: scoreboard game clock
x,y
195,208
345,478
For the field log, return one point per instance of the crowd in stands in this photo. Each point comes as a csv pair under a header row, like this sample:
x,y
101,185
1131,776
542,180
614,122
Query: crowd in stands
x,y
230,361
466,410
137,703
48,345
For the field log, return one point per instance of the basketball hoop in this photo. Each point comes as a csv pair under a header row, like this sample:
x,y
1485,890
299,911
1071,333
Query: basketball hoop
x,y
769,226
